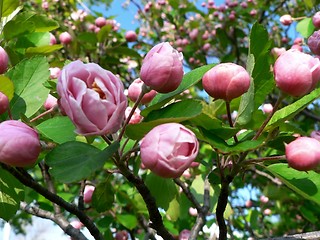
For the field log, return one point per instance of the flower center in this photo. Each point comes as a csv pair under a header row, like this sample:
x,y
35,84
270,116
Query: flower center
x,y
96,88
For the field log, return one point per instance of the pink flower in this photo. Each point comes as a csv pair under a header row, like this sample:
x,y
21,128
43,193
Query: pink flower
x,y
92,97
226,81
264,199
135,89
315,135
87,194
54,72
296,73
184,234
136,117
50,102
169,149
100,22
53,39
76,224
267,211
286,19
4,103
4,59
65,38
316,20
162,68
303,154
276,52
131,36
314,42
267,108
19,144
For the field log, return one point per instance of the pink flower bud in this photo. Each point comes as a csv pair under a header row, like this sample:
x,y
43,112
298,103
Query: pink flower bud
x,y
267,108
226,81
298,41
53,39
100,22
286,19
4,59
253,12
296,73
316,20
276,52
4,103
169,149
19,144
315,135
135,89
131,36
193,211
206,47
303,154
184,234
194,34
297,47
162,68
136,117
87,194
264,199
121,235
267,211
314,42
54,72
76,224
92,97
65,38
50,102
249,204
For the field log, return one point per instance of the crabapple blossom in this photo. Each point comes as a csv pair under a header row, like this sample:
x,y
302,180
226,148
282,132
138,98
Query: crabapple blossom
x,y
92,97
314,42
15,135
87,193
162,68
286,19
300,76
135,89
4,59
65,38
4,103
100,22
169,149
136,117
131,36
50,102
226,81
303,153
316,20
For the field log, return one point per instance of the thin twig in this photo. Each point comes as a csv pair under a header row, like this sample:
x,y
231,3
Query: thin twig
x,y
61,222
25,178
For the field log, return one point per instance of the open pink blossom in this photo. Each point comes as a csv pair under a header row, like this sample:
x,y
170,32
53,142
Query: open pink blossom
x,y
92,97
169,149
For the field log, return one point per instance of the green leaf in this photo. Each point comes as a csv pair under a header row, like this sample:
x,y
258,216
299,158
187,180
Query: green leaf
x,y
43,49
33,40
305,27
8,6
176,112
103,196
58,129
74,161
162,189
293,109
223,147
6,86
189,79
11,193
307,184
28,78
19,25
173,212
43,23
129,221
258,67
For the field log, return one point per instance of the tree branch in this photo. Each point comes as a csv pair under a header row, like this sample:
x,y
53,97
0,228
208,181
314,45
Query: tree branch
x,y
61,222
308,236
154,214
25,178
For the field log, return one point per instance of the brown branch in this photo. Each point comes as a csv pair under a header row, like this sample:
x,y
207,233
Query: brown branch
x,y
154,214
188,194
308,236
61,222
25,178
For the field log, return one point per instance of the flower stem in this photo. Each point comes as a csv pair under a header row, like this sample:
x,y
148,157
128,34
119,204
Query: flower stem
x,y
230,119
